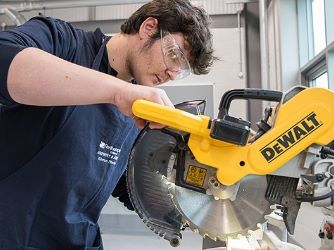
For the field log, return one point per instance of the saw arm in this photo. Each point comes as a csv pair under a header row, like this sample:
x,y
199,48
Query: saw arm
x,y
218,179
298,124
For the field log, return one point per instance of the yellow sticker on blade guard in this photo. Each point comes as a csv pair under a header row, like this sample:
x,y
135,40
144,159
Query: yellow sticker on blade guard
x,y
196,175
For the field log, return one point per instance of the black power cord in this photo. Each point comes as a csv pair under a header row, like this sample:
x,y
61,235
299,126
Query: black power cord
x,y
318,198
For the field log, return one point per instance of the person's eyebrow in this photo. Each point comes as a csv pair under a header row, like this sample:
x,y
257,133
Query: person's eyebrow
x,y
182,45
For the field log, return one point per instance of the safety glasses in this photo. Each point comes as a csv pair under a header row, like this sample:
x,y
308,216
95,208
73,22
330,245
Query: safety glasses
x,y
173,56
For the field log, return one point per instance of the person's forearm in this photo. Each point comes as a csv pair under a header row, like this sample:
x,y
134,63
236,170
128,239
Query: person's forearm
x,y
38,78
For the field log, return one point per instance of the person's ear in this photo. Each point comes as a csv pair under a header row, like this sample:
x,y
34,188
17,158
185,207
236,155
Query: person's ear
x,y
148,28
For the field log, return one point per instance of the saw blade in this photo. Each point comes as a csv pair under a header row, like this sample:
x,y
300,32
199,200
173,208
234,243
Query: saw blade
x,y
165,207
222,218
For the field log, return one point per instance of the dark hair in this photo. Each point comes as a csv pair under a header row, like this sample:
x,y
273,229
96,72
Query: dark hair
x,y
178,16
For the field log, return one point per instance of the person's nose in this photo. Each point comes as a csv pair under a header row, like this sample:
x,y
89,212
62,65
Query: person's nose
x,y
171,75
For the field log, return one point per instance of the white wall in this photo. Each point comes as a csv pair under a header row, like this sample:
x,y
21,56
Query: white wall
x,y
274,67
283,44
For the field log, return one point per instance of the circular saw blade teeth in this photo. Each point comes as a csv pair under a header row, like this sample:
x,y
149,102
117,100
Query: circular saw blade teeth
x,y
240,216
235,235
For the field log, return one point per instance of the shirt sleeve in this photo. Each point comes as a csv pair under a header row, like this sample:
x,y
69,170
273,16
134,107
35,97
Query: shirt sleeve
x,y
50,35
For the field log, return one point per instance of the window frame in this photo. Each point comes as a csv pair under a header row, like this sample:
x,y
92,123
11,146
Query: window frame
x,y
312,66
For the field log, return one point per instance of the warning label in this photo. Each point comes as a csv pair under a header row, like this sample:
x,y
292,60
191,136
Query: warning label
x,y
196,175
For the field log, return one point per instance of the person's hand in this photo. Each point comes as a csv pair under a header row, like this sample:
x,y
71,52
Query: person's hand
x,y
131,92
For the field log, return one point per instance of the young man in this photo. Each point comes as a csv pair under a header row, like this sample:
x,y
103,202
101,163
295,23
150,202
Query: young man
x,y
66,127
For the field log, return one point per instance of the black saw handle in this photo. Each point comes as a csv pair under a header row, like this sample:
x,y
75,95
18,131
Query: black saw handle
x,y
258,94
236,130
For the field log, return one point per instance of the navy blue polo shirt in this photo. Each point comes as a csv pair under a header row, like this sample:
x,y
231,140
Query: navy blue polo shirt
x,y
58,165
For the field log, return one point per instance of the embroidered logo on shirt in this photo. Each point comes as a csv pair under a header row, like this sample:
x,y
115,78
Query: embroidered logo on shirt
x,y
108,153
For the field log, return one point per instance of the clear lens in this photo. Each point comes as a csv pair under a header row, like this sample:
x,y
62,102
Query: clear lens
x,y
174,58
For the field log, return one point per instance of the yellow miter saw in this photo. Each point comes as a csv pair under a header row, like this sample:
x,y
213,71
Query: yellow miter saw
x,y
218,177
